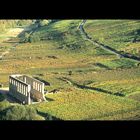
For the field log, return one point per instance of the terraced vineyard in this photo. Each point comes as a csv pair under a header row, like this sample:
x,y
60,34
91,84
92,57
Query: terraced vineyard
x,y
100,85
86,105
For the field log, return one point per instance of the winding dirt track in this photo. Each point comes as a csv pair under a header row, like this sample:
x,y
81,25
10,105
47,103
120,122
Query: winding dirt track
x,y
105,47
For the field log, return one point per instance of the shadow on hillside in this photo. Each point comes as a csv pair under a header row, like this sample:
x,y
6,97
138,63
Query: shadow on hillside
x,y
4,91
11,99
49,99
47,116
90,88
102,66
93,88
8,97
45,82
99,90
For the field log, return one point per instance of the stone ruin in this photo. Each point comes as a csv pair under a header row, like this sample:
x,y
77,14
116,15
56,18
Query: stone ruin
x,y
26,89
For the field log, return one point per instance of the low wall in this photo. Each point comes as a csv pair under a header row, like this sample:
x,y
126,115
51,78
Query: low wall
x,y
37,88
25,88
19,90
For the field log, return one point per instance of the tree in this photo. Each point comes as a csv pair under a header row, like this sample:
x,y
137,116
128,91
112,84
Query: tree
x,y
34,38
44,22
26,37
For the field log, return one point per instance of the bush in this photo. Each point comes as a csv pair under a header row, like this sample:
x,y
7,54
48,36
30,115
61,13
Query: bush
x,y
2,97
34,38
30,113
119,94
20,112
4,105
44,22
15,113
26,37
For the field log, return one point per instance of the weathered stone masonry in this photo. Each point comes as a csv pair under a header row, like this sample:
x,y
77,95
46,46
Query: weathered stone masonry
x,y
26,89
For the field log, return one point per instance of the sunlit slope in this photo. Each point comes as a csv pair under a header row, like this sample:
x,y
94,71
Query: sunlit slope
x,y
63,40
86,105
65,33
123,35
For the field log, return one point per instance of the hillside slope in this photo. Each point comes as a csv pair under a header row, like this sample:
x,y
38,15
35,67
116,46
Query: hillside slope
x,y
92,83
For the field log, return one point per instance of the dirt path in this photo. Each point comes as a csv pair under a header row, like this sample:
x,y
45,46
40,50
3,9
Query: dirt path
x,y
105,47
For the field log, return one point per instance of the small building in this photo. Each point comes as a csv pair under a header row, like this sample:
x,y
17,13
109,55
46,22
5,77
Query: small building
x,y
26,89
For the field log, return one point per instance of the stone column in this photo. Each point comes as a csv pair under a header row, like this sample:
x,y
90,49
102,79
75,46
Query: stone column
x,y
28,94
33,85
29,101
18,86
24,90
42,88
43,92
24,79
36,85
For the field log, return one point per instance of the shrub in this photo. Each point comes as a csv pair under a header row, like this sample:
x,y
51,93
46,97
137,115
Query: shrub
x,y
2,97
119,94
30,113
4,105
34,38
70,72
20,112
26,37
44,22
15,113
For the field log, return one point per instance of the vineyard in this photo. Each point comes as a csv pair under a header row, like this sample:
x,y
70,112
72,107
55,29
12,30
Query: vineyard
x,y
86,105
122,35
100,85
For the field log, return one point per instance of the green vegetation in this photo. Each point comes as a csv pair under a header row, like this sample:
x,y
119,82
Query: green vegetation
x,y
17,112
65,33
120,63
4,105
119,34
2,97
85,105
102,85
